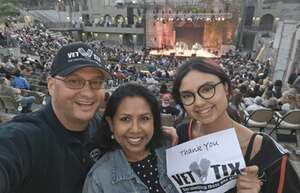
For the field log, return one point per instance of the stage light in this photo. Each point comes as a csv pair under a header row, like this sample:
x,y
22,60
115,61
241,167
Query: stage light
x,y
208,19
223,19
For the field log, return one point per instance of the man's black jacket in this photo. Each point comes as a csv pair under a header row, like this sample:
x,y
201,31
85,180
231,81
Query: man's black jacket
x,y
38,155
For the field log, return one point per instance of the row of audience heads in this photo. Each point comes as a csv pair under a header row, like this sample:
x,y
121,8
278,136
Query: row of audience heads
x,y
115,103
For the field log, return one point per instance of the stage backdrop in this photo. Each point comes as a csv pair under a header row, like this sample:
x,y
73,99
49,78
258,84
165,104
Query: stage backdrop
x,y
189,33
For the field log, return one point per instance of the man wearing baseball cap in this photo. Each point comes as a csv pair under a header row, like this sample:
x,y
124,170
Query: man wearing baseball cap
x,y
50,150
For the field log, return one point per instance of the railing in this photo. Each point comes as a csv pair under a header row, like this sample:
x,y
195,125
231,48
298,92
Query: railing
x,y
62,25
259,28
116,29
191,15
43,7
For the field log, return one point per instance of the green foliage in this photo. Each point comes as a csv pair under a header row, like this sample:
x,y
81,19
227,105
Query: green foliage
x,y
8,9
22,3
14,2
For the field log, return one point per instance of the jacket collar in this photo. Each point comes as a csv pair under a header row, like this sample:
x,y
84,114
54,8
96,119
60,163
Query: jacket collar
x,y
122,170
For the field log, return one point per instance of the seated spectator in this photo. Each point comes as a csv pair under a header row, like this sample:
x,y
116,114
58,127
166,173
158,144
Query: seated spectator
x,y
163,89
20,82
236,100
256,105
244,90
277,90
9,67
166,106
288,100
2,69
285,108
272,103
15,93
268,92
25,71
248,101
256,91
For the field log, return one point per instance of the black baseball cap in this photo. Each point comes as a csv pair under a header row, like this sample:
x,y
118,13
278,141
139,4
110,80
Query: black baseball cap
x,y
74,56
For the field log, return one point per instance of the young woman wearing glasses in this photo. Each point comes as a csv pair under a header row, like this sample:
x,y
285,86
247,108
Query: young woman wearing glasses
x,y
203,89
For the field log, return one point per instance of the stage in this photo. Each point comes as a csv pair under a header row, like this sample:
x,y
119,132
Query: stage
x,y
183,53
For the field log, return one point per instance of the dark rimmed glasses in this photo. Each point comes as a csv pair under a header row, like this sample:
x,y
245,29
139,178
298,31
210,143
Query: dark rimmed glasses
x,y
205,91
78,83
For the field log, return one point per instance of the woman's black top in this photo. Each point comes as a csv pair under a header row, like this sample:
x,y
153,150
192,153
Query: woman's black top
x,y
268,159
147,171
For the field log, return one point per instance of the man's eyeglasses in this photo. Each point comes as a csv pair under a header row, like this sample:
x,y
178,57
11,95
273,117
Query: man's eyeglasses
x,y
206,91
79,83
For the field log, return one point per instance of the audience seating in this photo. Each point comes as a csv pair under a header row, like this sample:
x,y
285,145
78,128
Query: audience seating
x,y
260,118
9,105
289,121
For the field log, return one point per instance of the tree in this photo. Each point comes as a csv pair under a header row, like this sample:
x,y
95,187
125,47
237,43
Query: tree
x,y
8,9
27,3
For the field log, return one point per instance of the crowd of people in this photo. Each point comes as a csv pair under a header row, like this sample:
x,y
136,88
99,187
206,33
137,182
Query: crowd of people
x,y
68,145
253,88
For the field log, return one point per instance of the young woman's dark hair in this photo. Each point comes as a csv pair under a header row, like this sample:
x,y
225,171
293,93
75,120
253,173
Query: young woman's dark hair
x,y
201,65
104,133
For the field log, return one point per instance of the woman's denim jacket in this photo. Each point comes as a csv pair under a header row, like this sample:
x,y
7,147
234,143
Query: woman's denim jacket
x,y
113,174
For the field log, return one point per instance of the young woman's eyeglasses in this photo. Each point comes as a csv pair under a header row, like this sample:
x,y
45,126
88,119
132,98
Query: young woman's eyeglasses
x,y
79,83
205,91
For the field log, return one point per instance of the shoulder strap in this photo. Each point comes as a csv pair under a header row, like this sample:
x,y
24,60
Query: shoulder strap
x,y
190,137
282,174
249,148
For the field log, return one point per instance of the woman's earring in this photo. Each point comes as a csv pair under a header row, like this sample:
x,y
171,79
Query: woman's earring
x,y
112,136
